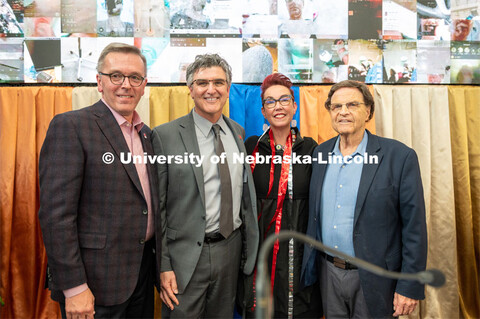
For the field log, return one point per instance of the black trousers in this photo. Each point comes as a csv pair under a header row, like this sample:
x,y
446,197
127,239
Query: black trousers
x,y
141,302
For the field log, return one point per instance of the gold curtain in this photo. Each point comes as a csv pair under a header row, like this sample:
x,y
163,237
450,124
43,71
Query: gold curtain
x,y
171,102
314,118
418,117
86,96
25,113
465,135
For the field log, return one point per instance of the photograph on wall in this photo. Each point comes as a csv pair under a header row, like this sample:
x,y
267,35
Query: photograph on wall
x,y
433,61
399,19
42,8
364,19
259,59
207,18
299,18
79,16
433,20
152,49
79,59
295,59
400,61
330,61
462,9
11,18
181,52
11,60
465,62
115,18
39,67
365,60
42,27
152,19
260,19
465,29
332,19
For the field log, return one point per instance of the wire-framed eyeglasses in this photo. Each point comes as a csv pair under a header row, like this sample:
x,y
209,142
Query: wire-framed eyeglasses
x,y
351,106
118,78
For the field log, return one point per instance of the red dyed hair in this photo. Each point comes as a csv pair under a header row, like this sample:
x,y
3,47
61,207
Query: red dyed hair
x,y
276,79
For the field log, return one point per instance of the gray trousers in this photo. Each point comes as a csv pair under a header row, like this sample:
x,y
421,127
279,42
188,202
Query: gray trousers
x,y
342,295
211,291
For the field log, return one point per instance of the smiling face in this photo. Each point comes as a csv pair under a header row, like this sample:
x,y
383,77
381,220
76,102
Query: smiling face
x,y
349,123
122,98
279,116
209,100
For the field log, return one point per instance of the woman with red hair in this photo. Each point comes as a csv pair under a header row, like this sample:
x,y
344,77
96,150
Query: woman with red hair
x,y
282,201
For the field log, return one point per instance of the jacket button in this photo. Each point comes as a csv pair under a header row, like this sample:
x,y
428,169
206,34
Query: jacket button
x,y
145,212
199,243
142,241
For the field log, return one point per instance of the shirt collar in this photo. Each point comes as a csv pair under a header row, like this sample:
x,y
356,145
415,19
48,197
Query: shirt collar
x,y
361,148
136,120
205,126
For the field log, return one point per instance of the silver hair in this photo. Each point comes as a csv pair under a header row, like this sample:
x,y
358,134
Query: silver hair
x,y
121,48
208,61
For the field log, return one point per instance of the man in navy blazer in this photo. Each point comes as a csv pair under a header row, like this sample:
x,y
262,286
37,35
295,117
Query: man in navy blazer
x,y
366,200
97,211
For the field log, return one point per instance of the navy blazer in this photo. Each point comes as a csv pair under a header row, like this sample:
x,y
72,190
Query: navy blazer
x,y
389,222
92,214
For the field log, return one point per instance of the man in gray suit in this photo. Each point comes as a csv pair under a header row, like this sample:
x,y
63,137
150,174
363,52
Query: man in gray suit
x,y
207,200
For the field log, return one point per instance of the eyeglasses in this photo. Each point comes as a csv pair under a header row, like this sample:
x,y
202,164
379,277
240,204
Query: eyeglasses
x,y
351,106
216,82
118,78
270,102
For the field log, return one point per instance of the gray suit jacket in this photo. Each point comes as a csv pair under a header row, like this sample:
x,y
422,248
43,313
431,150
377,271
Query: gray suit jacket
x,y
182,201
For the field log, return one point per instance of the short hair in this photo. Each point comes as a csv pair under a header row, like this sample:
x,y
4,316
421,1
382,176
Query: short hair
x,y
362,87
121,48
208,60
276,79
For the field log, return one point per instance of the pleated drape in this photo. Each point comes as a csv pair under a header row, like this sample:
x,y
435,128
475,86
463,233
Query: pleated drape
x,y
86,96
418,117
25,113
171,102
465,136
314,118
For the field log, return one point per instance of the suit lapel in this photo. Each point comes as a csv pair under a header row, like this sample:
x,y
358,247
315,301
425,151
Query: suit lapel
x,y
189,138
152,175
109,126
368,173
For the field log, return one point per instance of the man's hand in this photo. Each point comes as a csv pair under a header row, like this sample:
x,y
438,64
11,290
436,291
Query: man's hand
x,y
403,305
168,287
80,306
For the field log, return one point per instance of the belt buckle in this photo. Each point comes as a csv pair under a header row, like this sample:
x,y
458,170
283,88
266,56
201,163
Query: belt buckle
x,y
339,263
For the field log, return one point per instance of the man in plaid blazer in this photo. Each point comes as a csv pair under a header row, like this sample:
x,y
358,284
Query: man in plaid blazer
x,y
97,210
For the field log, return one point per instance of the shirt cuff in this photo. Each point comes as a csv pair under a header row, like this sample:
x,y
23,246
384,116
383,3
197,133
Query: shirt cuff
x,y
75,290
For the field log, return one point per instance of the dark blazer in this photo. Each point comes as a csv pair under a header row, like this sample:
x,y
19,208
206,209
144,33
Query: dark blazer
x,y
389,222
182,201
93,215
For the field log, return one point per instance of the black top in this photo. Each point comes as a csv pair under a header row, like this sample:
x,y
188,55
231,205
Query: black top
x,y
294,217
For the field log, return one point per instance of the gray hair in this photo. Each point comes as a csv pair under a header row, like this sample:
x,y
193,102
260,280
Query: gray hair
x,y
121,48
208,61
362,87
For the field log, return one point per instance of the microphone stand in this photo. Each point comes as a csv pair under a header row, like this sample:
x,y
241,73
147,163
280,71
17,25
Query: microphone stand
x,y
263,310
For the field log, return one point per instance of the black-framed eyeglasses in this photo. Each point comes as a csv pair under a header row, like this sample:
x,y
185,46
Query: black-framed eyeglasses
x,y
284,100
204,83
351,106
118,78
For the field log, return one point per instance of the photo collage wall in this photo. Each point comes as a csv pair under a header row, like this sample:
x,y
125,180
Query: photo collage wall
x,y
311,41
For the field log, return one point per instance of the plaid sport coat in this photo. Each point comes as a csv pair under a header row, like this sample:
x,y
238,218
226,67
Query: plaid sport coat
x,y
93,215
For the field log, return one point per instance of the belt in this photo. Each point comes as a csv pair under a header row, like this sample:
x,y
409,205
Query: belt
x,y
213,238
340,263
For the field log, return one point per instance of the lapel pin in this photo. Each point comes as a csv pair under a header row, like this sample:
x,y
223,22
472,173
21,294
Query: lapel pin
x,y
144,135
